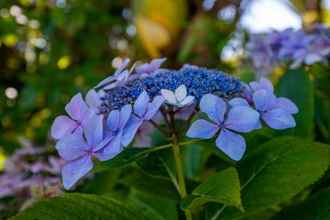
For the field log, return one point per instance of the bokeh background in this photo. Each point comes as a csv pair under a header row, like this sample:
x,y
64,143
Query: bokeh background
x,y
52,49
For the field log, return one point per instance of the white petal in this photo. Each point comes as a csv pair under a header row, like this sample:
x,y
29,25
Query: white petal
x,y
181,93
187,101
169,96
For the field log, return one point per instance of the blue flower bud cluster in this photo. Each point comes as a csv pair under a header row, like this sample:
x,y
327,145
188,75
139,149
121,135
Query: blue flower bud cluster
x,y
198,81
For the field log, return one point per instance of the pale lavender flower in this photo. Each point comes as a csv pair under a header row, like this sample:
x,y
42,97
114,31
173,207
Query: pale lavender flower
x,y
78,151
146,69
120,77
178,98
143,110
79,113
276,112
115,132
266,51
228,122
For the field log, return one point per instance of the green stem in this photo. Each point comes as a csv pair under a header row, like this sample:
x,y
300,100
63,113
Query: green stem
x,y
179,167
179,173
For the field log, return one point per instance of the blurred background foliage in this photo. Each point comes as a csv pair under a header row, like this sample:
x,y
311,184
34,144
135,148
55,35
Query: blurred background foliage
x,y
51,49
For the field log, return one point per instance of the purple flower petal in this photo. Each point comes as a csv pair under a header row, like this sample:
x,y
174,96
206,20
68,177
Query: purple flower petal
x,y
143,135
150,67
113,121
214,107
242,119
72,146
75,170
141,104
125,114
287,105
263,99
92,99
93,130
130,130
153,107
278,119
185,112
238,102
202,129
62,126
231,144
112,149
77,108
262,84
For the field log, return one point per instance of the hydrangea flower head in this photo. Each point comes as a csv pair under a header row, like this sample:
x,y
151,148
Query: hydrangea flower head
x,y
136,102
293,47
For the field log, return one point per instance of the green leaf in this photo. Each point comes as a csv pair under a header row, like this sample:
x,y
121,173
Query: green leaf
x,y
164,207
88,207
128,156
297,86
141,181
195,156
223,187
278,171
314,208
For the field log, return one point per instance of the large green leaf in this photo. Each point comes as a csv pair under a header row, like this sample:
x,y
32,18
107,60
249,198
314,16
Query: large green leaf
x,y
297,86
223,187
315,208
127,156
87,207
276,172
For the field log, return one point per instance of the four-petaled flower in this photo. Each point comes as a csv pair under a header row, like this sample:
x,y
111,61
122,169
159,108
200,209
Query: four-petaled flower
x,y
178,98
115,131
78,150
143,110
237,119
276,112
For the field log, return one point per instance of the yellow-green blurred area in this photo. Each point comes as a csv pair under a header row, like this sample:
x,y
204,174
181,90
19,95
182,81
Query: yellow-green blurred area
x,y
52,49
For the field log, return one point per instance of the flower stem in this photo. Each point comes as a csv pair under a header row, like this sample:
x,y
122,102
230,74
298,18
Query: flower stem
x,y
178,164
179,167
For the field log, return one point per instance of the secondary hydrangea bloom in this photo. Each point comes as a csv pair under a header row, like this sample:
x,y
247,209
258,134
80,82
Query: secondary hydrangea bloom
x,y
178,98
267,51
228,121
135,102
30,169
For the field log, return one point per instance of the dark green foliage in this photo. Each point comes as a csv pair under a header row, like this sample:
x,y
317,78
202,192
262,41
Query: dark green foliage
x,y
83,206
297,86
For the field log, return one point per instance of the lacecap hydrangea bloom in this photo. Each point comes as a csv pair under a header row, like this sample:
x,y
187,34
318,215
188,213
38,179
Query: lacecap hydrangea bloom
x,y
292,47
123,110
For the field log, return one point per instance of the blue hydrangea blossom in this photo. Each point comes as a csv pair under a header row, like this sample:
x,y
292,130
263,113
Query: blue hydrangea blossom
x,y
228,122
127,107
